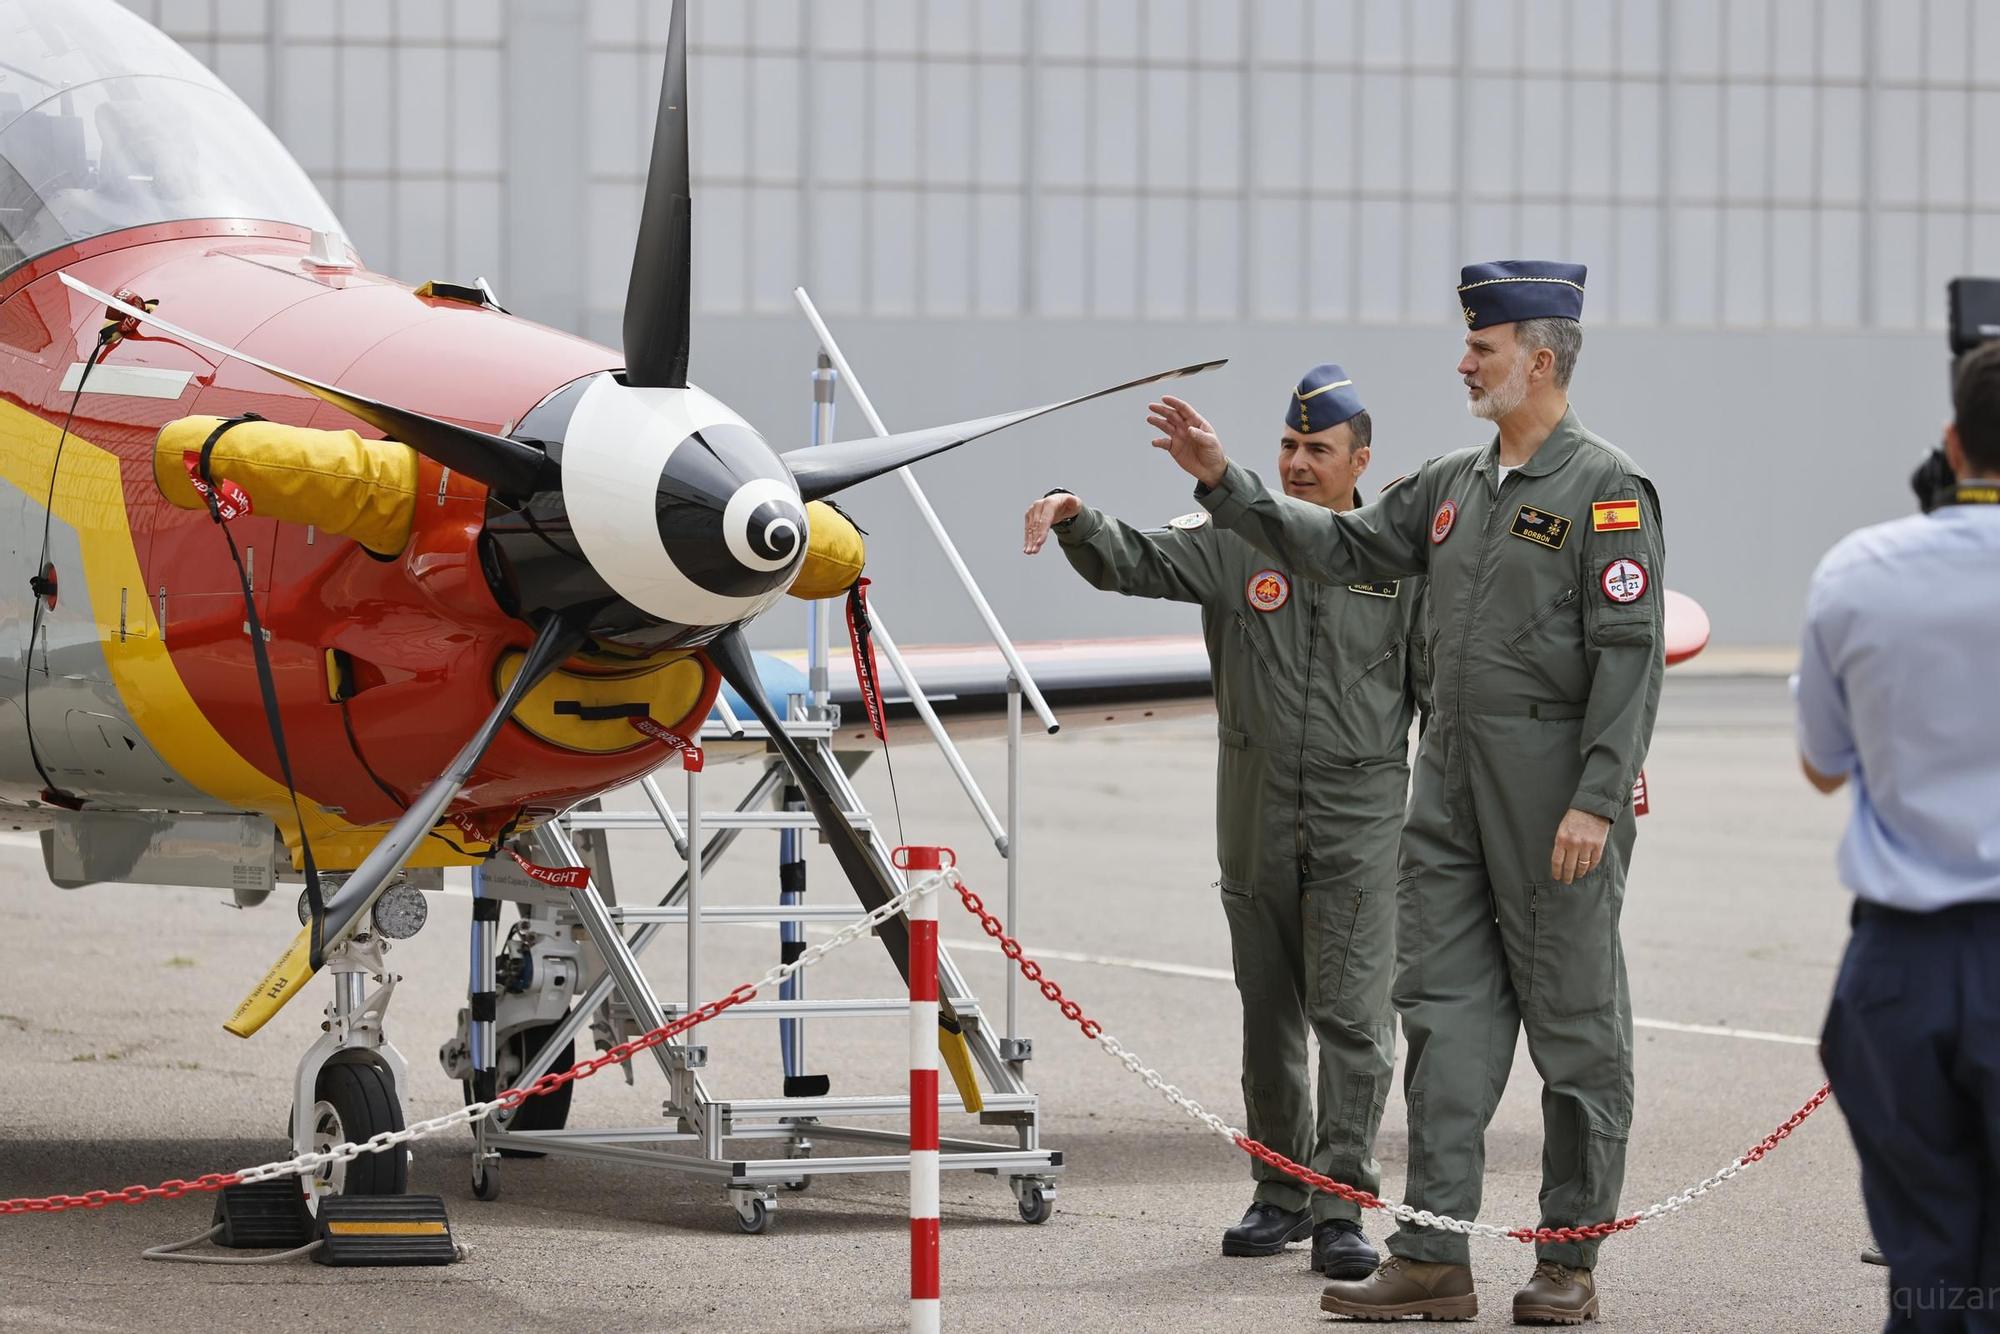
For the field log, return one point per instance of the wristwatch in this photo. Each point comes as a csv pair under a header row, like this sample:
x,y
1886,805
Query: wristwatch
x,y
1061,491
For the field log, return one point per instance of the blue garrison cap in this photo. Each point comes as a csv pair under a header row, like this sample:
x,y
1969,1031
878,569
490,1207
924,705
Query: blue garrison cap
x,y
1324,399
1520,289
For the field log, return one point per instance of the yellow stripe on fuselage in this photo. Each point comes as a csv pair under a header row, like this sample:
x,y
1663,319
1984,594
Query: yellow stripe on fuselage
x,y
90,498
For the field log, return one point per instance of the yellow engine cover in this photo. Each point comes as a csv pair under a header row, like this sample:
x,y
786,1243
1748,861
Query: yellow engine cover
x,y
335,480
591,711
835,554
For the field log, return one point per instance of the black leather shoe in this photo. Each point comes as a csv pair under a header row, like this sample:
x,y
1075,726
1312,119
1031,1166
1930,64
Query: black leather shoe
x,y
1341,1252
1265,1230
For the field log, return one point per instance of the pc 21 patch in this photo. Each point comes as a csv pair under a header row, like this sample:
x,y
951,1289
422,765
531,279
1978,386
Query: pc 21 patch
x,y
1268,590
1386,589
1189,522
1541,527
1623,581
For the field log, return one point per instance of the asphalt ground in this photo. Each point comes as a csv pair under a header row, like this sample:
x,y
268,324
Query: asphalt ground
x,y
114,1069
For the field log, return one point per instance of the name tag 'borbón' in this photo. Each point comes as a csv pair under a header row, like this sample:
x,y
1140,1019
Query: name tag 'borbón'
x,y
1388,589
1541,527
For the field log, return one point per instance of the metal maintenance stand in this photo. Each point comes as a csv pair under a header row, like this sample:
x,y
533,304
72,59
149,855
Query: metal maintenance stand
x,y
571,962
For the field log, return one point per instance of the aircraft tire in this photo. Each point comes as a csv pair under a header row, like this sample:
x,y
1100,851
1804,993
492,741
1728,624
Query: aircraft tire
x,y
548,1112
362,1098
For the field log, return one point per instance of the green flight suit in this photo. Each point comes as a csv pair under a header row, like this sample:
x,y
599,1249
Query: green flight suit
x,y
1546,662
1313,693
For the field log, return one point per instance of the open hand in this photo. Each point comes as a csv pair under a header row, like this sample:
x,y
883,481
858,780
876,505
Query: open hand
x,y
1187,436
1045,512
1579,845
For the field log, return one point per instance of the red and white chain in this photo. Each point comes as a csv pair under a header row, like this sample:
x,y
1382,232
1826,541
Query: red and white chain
x,y
1402,1213
509,1100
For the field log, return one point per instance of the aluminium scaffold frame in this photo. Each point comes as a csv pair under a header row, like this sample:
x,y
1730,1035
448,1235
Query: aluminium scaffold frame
x,y
605,981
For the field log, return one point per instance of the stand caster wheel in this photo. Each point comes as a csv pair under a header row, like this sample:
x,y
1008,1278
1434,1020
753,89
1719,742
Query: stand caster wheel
x,y
1036,1204
753,1217
485,1182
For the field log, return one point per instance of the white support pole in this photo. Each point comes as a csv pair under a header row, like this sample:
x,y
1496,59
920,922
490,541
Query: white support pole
x,y
924,710
1011,1048
936,525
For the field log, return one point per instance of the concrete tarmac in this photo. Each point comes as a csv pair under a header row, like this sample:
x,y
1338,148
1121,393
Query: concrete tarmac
x,y
114,1069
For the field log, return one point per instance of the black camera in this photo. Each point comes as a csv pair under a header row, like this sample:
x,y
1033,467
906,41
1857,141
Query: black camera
x,y
1975,319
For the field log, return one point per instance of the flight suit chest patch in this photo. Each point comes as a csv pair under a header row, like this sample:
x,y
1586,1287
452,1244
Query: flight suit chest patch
x,y
1387,589
1267,590
1442,521
1541,527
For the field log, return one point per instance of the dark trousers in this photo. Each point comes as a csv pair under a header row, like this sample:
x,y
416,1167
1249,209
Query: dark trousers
x,y
1912,1047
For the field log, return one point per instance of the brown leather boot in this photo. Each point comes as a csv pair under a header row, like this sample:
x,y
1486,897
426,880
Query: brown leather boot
x,y
1556,1295
1400,1288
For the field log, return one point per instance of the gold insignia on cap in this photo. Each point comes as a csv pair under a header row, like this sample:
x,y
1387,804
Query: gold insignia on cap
x,y
1469,316
1337,384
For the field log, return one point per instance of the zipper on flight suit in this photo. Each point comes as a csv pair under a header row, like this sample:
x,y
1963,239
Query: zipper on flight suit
x,y
1465,632
1255,651
1299,788
1568,596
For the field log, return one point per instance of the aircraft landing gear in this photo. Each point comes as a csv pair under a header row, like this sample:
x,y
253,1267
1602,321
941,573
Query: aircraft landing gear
x,y
548,1112
350,1083
357,1102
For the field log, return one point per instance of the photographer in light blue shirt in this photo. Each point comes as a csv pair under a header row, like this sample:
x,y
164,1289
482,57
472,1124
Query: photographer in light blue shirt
x,y
1899,694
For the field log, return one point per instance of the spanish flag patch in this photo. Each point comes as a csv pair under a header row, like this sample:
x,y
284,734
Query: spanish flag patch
x,y
1614,516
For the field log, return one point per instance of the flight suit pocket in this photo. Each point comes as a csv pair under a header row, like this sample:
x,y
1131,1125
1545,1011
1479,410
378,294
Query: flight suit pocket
x,y
1550,644
1256,646
1575,954
1376,663
1240,808
1335,917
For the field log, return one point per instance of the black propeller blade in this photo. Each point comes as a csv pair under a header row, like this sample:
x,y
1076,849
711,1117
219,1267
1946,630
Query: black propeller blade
x,y
656,300
509,468
730,652
821,470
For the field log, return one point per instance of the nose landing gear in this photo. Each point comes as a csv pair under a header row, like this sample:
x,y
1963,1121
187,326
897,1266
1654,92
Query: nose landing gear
x,y
349,1084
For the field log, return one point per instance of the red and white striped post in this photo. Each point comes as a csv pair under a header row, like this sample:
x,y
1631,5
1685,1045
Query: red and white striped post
x,y
918,863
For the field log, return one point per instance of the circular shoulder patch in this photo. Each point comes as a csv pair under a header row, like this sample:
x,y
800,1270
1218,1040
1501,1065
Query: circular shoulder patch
x,y
1268,590
1442,521
1623,580
1189,521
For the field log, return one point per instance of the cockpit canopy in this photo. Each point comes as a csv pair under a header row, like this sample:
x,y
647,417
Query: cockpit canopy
x,y
106,123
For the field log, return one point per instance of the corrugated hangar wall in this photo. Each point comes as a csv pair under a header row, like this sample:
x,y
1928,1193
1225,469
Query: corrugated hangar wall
x,y
1001,204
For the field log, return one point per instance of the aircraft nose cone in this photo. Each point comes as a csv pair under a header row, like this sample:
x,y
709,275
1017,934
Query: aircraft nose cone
x,y
774,530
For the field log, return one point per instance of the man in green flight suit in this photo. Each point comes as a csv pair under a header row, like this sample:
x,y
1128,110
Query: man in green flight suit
x,y
1544,554
1313,692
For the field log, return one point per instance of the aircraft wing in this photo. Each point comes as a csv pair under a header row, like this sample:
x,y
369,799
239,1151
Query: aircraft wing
x,y
1087,682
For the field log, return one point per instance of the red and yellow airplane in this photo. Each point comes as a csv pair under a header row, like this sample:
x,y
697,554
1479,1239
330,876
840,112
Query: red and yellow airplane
x,y
314,572
492,569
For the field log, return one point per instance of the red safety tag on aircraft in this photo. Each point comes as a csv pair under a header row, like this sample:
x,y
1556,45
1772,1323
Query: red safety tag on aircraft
x,y
231,500
471,828
561,877
691,757
1640,802
865,670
